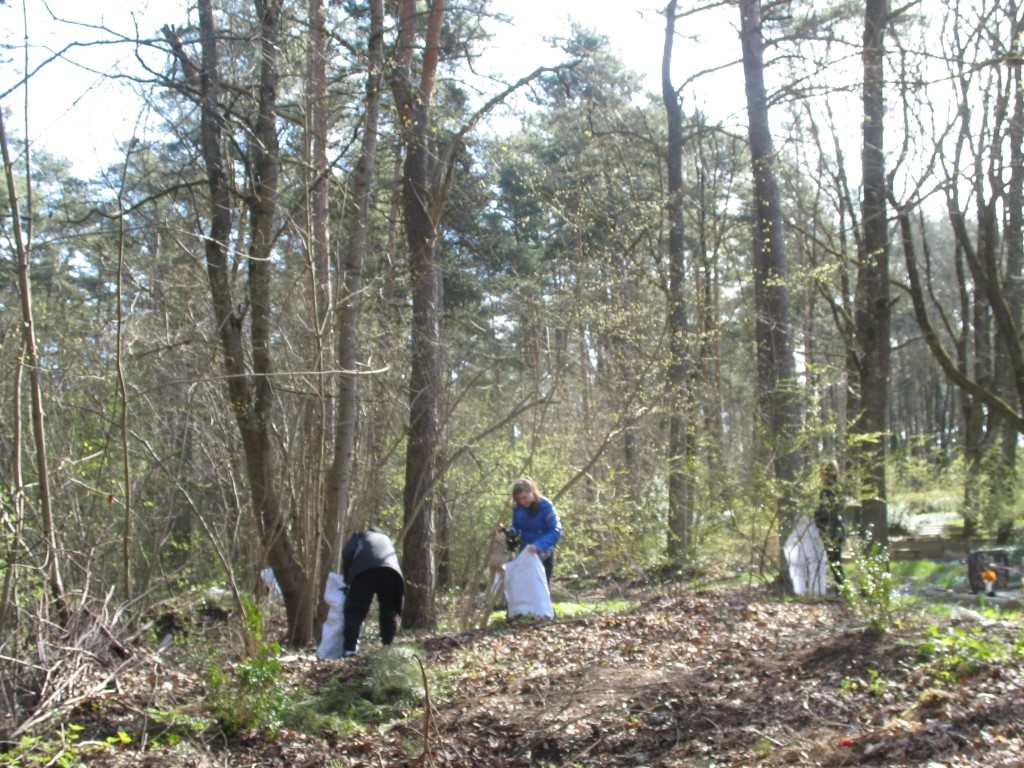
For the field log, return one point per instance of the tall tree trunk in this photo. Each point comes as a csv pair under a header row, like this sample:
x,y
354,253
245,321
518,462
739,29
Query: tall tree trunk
x,y
422,199
873,313
779,415
251,398
317,407
1014,239
339,487
680,491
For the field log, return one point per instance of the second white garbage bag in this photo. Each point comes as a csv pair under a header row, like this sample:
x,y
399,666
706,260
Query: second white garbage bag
x,y
526,587
332,639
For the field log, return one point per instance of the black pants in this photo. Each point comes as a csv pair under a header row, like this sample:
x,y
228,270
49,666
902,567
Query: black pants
x,y
834,553
549,566
389,587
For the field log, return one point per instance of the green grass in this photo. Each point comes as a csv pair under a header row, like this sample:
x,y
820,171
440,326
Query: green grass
x,y
573,610
390,687
925,573
569,610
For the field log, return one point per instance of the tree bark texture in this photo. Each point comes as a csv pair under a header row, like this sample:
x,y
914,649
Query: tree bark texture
x,y
873,309
339,485
779,417
422,199
680,493
251,398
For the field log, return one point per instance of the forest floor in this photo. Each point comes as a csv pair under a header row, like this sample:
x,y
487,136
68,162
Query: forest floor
x,y
728,676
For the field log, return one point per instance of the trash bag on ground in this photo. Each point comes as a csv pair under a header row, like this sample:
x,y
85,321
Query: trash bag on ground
x,y
526,587
805,553
273,588
332,639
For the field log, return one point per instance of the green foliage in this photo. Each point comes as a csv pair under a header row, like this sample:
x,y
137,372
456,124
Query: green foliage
x,y
921,573
249,695
868,588
62,748
875,684
252,624
389,686
394,677
176,725
959,653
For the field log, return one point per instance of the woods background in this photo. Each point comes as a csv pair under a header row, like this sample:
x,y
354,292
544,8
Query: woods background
x,y
340,291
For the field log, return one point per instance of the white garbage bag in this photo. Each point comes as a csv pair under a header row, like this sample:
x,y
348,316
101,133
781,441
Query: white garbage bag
x,y
526,587
805,553
332,639
273,588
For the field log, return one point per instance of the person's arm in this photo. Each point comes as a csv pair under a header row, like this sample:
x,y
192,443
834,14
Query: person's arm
x,y
347,555
552,528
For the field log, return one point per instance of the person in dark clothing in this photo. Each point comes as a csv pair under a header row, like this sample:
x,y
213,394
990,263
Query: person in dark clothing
x,y
534,518
370,566
828,516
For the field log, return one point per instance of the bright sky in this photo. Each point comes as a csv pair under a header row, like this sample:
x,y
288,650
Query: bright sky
x,y
78,112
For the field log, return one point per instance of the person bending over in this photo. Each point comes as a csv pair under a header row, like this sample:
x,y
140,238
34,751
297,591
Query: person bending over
x,y
370,566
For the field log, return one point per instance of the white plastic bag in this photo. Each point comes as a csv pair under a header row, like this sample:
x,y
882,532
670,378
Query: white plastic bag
x,y
805,553
273,588
332,639
526,587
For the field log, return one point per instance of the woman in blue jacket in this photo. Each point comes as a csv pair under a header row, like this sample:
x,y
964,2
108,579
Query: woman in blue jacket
x,y
535,519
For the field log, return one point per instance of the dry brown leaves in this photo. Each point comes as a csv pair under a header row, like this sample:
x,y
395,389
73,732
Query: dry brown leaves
x,y
722,678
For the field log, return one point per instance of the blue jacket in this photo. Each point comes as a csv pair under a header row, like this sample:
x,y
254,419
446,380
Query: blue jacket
x,y
542,529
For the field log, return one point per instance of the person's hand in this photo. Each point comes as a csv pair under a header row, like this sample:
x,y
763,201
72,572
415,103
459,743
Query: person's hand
x,y
532,548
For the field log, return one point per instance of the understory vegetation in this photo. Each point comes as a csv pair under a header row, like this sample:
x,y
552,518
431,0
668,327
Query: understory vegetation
x,y
603,679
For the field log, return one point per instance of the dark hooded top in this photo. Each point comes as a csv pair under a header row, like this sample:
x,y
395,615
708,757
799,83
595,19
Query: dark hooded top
x,y
368,549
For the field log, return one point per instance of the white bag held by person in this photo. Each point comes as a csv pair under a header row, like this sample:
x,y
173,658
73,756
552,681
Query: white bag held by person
x,y
332,639
526,587
806,555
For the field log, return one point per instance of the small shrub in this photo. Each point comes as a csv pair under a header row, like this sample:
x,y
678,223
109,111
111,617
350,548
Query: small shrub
x,y
963,652
252,693
868,588
394,677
